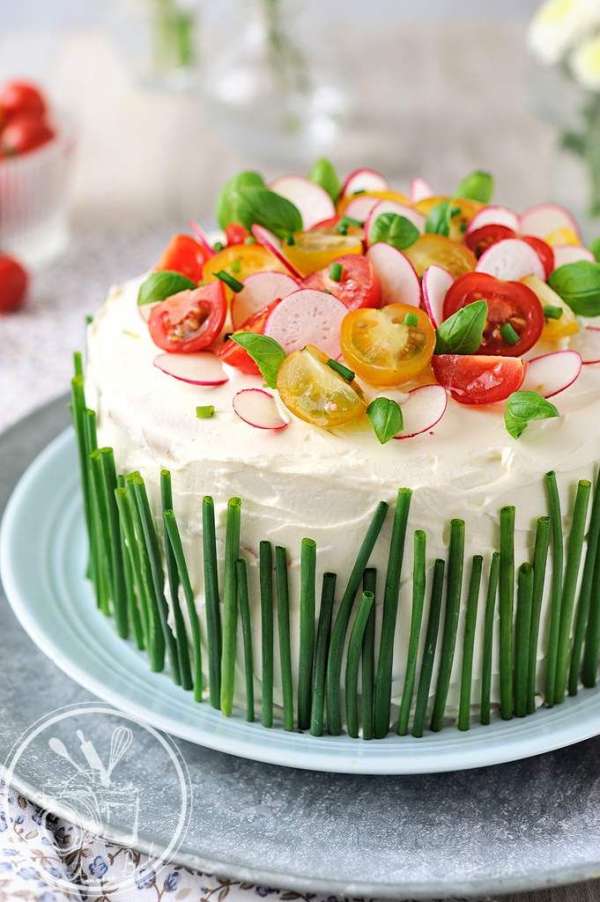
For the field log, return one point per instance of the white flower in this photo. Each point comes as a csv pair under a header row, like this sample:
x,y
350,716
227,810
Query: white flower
x,y
559,24
585,63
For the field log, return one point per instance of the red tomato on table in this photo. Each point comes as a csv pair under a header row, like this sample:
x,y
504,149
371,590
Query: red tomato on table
x,y
184,255
510,303
190,320
473,379
22,98
13,284
23,133
233,354
358,285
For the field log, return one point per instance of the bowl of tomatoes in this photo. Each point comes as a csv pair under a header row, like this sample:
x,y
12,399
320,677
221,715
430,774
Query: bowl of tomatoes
x,y
36,150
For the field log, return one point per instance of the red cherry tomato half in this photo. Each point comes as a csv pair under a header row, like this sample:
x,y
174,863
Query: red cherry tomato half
x,y
235,234
473,379
233,354
358,285
543,250
479,240
13,284
23,133
509,303
190,320
21,97
184,255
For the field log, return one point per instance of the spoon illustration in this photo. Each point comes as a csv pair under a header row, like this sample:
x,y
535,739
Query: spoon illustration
x,y
58,747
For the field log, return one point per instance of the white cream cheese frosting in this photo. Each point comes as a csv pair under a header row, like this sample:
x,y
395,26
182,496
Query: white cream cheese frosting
x,y
305,481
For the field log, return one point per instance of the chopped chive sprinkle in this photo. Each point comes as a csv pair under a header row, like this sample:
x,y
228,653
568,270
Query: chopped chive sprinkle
x,y
205,412
411,319
236,266
360,191
345,223
344,372
249,239
510,335
89,319
552,312
290,241
218,246
335,272
230,280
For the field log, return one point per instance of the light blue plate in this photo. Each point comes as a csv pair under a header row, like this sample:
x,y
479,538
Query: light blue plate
x,y
42,559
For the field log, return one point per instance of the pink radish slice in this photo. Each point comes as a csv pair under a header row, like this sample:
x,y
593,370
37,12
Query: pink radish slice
x,y
570,253
313,201
545,218
196,369
398,280
272,243
363,180
423,410
258,408
420,190
360,207
511,259
391,206
551,373
587,343
202,238
436,282
260,290
307,317
494,215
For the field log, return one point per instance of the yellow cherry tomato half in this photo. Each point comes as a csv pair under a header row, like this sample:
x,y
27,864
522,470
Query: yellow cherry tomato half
x,y
316,393
380,195
240,261
441,251
387,346
562,236
554,329
318,248
459,222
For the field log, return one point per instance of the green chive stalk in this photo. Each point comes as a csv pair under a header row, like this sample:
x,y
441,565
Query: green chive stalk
x,y
340,626
557,552
507,603
211,595
585,591
355,645
368,659
321,654
77,414
99,559
540,559
283,623
522,635
265,566
466,678
416,619
166,494
456,552
573,564
134,614
431,637
141,600
589,671
101,531
308,564
230,608
244,607
488,639
108,474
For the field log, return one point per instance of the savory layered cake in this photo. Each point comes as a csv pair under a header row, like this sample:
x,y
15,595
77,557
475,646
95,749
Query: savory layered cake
x,y
338,462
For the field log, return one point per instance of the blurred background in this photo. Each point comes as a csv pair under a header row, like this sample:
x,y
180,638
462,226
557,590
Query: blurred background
x,y
161,100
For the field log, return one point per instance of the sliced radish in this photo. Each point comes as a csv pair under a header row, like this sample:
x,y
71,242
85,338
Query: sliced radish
x,y
196,369
423,410
398,280
360,207
307,317
391,206
202,238
260,290
312,201
543,219
258,408
551,373
570,253
420,190
587,343
510,260
494,215
272,243
363,180
436,282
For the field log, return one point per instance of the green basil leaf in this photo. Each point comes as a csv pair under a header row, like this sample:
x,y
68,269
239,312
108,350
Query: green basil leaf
x,y
524,406
267,354
462,333
323,173
161,285
394,229
439,217
595,249
578,284
227,200
477,185
386,418
266,208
